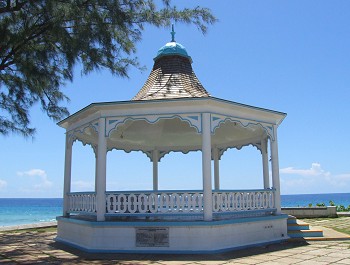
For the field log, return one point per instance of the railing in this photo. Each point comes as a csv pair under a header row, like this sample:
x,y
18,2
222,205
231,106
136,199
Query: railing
x,y
82,202
172,202
152,202
228,201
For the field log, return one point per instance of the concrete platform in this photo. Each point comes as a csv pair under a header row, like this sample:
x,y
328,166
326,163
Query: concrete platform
x,y
176,237
37,246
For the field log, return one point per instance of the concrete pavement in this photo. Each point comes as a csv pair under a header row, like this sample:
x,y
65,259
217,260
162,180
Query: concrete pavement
x,y
37,246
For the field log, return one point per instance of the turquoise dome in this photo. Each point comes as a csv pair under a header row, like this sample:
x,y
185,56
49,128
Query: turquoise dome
x,y
172,48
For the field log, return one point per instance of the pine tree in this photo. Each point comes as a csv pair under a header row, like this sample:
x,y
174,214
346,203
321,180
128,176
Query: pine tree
x,y
42,40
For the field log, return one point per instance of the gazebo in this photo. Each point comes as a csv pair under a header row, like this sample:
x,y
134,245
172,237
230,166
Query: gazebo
x,y
173,112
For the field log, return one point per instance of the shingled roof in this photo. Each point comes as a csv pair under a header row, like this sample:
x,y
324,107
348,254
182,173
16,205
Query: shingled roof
x,y
172,76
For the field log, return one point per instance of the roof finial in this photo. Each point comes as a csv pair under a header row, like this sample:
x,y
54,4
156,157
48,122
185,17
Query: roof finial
x,y
172,33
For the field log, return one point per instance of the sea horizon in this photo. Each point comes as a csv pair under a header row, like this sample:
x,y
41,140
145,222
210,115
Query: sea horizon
x,y
21,211
281,195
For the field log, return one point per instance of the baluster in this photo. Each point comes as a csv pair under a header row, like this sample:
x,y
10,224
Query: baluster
x,y
186,202
89,202
266,202
197,202
142,203
74,208
175,202
79,203
224,202
272,200
164,202
234,201
132,203
251,200
93,209
123,203
111,203
216,201
230,201
245,201
240,201
84,208
153,202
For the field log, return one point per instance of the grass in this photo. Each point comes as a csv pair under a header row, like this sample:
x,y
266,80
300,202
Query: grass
x,y
33,230
340,224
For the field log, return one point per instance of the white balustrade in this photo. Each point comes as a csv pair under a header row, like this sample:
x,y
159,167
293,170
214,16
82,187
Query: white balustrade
x,y
229,201
154,202
82,202
173,202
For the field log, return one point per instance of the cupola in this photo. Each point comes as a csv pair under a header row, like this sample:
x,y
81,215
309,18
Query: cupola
x,y
172,75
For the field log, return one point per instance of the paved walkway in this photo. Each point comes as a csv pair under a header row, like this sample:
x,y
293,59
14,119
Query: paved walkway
x,y
340,224
38,246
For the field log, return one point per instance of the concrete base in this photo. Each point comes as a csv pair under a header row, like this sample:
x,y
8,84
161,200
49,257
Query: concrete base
x,y
311,212
182,237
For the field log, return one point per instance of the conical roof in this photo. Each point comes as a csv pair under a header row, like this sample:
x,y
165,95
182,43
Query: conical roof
x,y
172,75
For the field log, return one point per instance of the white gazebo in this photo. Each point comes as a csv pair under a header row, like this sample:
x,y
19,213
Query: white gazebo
x,y
173,112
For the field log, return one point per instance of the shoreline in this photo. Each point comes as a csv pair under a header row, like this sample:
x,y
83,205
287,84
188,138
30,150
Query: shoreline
x,y
28,226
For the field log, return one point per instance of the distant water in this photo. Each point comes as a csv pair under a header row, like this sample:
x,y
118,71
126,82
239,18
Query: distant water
x,y
30,211
305,199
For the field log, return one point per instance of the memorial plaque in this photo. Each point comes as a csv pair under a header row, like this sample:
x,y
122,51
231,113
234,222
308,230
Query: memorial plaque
x,y
152,237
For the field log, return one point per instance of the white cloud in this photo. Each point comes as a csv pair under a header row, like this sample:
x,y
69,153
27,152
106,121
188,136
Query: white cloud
x,y
32,172
313,180
3,184
44,181
315,170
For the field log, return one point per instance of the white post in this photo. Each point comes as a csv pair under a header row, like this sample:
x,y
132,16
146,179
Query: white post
x,y
67,176
265,162
96,160
206,168
275,171
216,169
155,157
101,171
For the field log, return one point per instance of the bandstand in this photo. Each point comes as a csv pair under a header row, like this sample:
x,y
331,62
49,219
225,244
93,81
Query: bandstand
x,y
173,112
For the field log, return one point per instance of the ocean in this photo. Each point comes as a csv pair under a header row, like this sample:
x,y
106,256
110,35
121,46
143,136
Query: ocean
x,y
31,211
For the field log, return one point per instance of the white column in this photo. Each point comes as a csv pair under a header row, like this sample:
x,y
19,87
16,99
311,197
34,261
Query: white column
x,y
275,171
101,171
265,162
155,157
67,175
206,168
96,160
216,169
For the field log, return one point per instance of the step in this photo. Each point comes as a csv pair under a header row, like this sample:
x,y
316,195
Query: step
x,y
291,220
305,233
296,227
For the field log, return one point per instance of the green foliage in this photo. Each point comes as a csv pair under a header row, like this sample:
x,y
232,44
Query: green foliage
x,y
42,40
342,208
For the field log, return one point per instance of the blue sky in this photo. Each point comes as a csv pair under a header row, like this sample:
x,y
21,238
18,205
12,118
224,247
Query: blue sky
x,y
289,56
